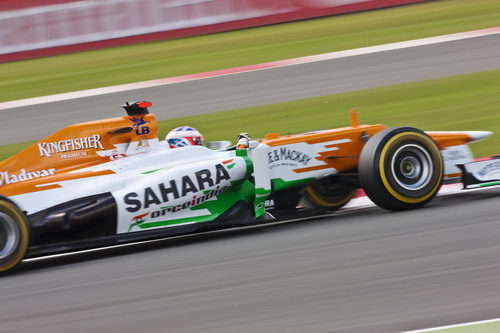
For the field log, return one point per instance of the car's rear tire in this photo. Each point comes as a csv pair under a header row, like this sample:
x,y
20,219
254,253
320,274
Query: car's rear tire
x,y
328,194
14,235
400,168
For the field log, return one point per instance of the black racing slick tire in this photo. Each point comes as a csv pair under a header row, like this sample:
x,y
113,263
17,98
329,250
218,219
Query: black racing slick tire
x,y
400,168
328,194
14,235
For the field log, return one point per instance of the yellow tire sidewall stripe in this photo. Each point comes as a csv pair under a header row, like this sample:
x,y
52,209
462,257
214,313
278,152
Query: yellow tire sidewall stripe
x,y
320,201
10,209
389,188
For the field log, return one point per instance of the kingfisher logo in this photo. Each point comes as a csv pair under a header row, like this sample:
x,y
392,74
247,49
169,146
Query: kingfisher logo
x,y
70,146
139,125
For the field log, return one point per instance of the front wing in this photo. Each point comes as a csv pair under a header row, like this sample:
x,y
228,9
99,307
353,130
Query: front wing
x,y
482,173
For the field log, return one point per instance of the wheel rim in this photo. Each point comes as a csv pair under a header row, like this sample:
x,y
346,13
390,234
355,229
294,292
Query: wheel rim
x,y
411,167
9,235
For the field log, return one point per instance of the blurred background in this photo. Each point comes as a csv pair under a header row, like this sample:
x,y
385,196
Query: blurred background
x,y
57,46
56,26
227,66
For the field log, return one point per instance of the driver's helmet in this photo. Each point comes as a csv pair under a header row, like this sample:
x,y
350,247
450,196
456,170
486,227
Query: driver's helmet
x,y
184,136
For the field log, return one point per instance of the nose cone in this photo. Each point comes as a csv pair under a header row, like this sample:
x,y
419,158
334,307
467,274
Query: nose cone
x,y
478,135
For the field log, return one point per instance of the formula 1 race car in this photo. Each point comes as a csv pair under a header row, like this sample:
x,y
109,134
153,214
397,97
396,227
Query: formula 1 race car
x,y
112,181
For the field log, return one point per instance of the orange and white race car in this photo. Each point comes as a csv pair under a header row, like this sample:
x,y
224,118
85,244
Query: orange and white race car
x,y
112,181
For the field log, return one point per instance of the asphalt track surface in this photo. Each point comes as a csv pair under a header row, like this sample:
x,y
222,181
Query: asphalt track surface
x,y
365,270
262,87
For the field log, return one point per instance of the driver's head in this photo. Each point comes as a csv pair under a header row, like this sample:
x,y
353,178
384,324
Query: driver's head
x,y
184,136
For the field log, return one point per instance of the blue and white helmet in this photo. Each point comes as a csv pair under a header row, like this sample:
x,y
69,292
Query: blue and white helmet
x,y
184,136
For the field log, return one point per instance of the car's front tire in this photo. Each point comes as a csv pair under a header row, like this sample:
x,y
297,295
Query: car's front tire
x,y
400,168
14,235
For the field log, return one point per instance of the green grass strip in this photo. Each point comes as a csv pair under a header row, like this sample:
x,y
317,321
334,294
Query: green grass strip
x,y
147,61
464,102
478,328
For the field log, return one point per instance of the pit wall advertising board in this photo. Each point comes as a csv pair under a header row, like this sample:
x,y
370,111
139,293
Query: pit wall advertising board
x,y
29,31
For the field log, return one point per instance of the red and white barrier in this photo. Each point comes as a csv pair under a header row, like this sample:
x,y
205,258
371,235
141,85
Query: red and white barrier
x,y
68,26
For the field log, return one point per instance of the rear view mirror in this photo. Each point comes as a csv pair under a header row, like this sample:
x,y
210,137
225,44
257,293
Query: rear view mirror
x,y
218,145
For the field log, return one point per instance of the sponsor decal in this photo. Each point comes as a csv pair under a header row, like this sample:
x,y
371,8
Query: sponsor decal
x,y
455,155
285,156
115,155
70,145
175,189
269,203
489,169
193,202
139,219
23,175
139,125
229,163
76,154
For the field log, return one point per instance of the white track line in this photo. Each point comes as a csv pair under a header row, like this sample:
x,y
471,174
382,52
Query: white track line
x,y
454,326
250,68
